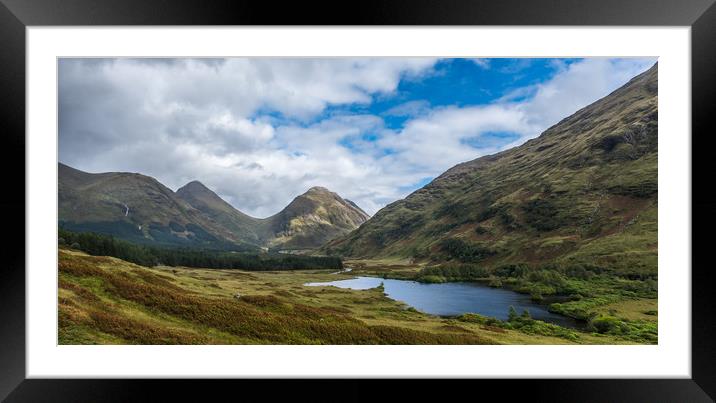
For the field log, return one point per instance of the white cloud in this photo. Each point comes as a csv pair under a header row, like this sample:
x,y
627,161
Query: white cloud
x,y
430,144
578,85
185,119
411,108
434,143
484,63
210,120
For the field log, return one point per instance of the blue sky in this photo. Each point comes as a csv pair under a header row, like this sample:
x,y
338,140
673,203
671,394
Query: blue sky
x,y
451,82
261,131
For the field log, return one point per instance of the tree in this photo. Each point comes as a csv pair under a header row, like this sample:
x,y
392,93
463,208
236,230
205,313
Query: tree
x,y
512,315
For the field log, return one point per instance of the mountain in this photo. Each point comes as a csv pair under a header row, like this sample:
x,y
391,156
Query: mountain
x,y
314,218
584,191
244,227
133,207
138,208
310,220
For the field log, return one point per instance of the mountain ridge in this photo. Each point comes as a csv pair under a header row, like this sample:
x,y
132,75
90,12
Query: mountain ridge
x,y
139,208
585,191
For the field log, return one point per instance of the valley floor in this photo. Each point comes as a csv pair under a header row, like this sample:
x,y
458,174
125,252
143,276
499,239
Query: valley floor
x,y
103,300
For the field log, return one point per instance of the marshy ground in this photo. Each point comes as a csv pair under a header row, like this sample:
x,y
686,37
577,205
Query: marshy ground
x,y
103,300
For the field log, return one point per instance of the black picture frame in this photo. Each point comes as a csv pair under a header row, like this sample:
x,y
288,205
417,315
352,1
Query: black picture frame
x,y
16,15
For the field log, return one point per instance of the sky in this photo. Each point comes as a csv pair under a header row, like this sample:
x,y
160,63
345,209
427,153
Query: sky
x,y
261,131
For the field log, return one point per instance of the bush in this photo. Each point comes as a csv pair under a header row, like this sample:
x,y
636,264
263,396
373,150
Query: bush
x,y
582,272
512,314
508,220
547,277
541,214
465,252
483,320
457,210
608,143
451,272
536,297
480,230
512,270
432,279
609,325
420,253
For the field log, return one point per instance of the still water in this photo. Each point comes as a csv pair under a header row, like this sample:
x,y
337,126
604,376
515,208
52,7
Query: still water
x,y
450,299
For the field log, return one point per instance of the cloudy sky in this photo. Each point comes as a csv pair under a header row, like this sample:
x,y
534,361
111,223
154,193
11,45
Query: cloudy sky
x,y
260,131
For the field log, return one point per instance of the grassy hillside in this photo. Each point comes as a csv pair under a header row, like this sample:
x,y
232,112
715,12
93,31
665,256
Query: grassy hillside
x,y
138,208
105,300
314,218
134,207
582,194
309,221
243,226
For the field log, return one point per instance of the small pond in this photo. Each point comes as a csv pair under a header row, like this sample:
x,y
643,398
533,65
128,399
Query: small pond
x,y
452,299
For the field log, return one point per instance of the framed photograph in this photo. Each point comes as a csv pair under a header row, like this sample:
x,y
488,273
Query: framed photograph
x,y
497,193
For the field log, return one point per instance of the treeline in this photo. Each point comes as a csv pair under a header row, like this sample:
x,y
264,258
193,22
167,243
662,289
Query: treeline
x,y
578,280
452,272
105,245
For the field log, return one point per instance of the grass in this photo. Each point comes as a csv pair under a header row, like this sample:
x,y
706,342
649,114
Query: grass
x,y
523,324
109,301
575,291
637,309
554,205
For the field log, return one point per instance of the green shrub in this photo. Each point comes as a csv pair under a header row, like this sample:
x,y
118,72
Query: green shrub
x,y
512,314
452,272
432,279
609,325
480,230
541,214
536,297
480,319
512,270
465,252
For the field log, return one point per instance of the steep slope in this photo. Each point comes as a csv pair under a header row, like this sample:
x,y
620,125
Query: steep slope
x,y
140,209
309,221
583,191
314,218
244,227
134,207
